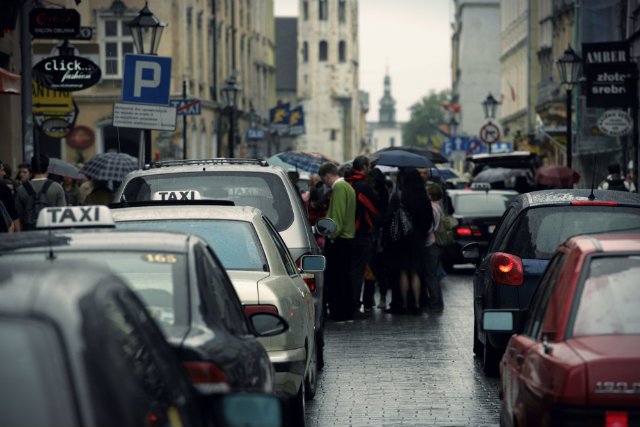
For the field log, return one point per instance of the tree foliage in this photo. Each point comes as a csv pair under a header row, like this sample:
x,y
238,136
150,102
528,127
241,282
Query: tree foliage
x,y
426,115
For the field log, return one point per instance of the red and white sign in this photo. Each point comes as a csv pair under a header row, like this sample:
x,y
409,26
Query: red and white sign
x,y
489,133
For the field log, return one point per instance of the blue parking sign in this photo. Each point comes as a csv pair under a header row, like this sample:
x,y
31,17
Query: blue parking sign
x,y
146,79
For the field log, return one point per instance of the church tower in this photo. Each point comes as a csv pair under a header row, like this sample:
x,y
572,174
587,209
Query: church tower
x,y
387,111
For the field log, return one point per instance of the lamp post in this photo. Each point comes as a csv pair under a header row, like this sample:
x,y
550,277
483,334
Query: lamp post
x,y
146,30
453,126
490,105
230,92
569,67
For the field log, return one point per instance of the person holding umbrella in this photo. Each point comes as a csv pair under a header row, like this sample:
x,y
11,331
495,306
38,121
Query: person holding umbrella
x,y
106,171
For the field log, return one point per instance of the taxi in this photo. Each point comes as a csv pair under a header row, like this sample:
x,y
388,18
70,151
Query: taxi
x,y
263,273
181,282
576,361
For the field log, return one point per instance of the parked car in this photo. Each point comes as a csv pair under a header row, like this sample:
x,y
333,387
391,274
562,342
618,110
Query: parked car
x,y
182,284
477,212
524,241
245,182
576,361
264,275
514,170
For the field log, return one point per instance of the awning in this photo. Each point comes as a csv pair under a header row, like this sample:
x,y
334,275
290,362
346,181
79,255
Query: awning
x,y
9,82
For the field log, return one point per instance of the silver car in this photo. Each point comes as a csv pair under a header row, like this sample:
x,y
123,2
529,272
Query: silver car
x,y
245,182
263,274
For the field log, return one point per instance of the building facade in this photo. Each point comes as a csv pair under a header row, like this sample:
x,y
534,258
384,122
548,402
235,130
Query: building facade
x,y
328,67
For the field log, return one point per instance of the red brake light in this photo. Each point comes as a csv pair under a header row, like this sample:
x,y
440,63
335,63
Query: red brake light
x,y
463,231
507,269
616,419
207,377
260,308
309,278
593,203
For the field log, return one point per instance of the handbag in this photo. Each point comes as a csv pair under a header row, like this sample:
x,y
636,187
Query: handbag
x,y
401,224
444,232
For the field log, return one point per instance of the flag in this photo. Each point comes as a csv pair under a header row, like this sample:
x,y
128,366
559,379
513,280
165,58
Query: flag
x,y
513,92
296,121
279,117
454,107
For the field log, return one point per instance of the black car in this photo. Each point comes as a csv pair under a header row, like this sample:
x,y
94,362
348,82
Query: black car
x,y
182,284
476,212
78,348
525,239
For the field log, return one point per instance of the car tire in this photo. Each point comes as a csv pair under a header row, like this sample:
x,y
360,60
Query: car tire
x,y
490,359
296,409
478,347
311,379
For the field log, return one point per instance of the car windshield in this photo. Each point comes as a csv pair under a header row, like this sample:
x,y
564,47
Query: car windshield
x,y
235,242
481,203
538,232
265,191
158,278
608,304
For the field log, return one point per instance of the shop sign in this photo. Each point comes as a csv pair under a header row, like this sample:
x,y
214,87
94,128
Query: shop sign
x,y
66,73
615,123
54,23
611,77
81,138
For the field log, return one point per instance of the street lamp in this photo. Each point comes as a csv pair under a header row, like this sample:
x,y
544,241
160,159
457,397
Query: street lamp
x,y
230,92
569,68
490,105
146,30
453,126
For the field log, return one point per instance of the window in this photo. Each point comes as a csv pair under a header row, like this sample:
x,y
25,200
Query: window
x,y
115,42
305,52
285,255
333,135
305,10
540,300
323,10
342,51
342,11
324,51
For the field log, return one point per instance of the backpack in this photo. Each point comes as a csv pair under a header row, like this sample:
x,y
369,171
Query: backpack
x,y
35,203
617,185
444,232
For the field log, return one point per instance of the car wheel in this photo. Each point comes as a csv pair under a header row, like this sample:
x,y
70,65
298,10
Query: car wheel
x,y
478,347
296,409
311,379
490,359
320,350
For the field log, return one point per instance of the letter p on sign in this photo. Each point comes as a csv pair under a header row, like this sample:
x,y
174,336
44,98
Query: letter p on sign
x,y
146,79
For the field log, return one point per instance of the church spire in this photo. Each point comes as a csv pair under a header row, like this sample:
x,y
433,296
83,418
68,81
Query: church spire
x,y
387,111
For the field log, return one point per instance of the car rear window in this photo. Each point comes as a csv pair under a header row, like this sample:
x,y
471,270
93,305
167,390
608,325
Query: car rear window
x,y
265,191
609,301
537,232
33,388
481,203
235,242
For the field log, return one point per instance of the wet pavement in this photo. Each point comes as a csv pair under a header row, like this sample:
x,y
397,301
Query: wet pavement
x,y
392,370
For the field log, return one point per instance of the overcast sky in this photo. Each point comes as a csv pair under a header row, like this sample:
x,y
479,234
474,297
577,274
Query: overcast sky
x,y
412,38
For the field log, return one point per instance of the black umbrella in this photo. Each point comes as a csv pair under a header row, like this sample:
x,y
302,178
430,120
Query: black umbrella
x,y
401,158
434,156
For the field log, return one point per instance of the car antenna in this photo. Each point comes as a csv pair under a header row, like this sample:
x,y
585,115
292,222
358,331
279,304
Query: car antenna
x,y
51,256
593,178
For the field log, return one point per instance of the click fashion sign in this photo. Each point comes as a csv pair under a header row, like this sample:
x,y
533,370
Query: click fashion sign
x,y
66,73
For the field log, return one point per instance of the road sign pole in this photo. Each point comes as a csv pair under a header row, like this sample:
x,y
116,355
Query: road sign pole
x,y
184,123
28,146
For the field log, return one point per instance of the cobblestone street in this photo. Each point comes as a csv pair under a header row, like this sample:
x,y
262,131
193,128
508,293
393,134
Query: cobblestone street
x,y
406,370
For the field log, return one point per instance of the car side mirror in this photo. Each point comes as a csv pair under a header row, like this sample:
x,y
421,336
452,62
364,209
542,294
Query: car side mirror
x,y
471,252
312,263
268,324
248,410
498,321
325,227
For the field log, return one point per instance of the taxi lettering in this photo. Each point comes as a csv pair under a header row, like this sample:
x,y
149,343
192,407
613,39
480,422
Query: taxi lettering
x,y
78,215
177,195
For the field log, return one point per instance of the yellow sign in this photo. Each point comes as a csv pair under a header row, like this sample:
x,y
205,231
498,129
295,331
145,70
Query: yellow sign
x,y
50,102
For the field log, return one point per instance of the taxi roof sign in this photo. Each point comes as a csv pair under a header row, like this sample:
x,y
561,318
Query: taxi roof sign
x,y
177,195
75,217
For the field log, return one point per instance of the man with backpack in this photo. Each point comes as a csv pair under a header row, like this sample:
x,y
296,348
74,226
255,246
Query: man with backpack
x,y
615,181
37,194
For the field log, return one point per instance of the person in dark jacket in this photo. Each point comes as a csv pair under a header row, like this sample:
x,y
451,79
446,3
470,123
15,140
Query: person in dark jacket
x,y
406,255
367,217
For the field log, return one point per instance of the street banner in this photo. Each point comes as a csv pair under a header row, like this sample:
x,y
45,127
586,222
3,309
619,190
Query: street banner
x,y
279,118
610,74
296,121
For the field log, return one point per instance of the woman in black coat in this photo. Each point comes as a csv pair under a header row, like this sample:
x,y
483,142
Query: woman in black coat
x,y
406,255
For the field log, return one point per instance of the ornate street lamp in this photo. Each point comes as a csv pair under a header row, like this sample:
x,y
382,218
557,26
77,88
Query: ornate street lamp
x,y
230,93
489,105
453,127
146,30
570,68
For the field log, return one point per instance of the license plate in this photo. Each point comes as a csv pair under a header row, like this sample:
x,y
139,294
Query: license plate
x,y
491,228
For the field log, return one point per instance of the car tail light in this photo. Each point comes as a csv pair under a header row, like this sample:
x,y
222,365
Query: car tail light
x,y
592,203
260,308
507,269
616,419
207,377
463,231
309,278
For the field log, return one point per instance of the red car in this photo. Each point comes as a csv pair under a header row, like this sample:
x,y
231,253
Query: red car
x,y
577,361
